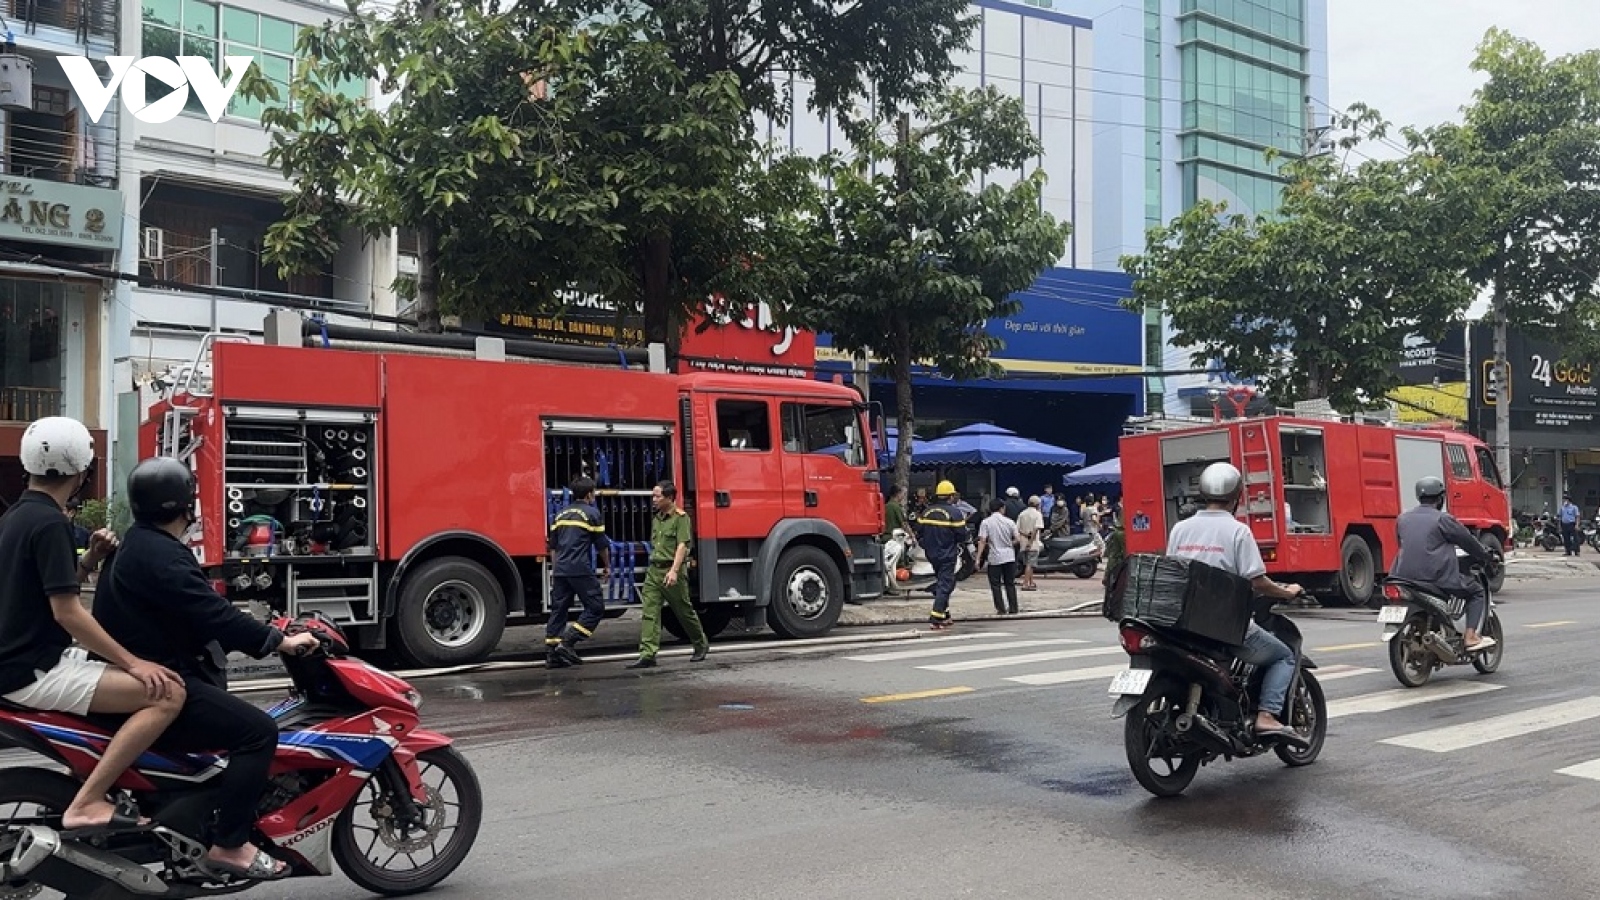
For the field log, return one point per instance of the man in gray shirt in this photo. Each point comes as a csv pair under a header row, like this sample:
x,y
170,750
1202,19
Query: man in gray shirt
x,y
1428,537
997,547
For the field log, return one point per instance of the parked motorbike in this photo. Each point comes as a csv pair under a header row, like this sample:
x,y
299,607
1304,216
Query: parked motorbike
x,y
1547,532
1591,533
1188,702
349,750
906,567
1079,554
1419,625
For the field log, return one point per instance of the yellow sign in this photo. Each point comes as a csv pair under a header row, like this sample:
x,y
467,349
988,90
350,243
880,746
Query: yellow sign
x,y
1422,403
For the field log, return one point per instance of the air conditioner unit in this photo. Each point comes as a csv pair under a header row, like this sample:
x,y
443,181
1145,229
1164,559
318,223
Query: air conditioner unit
x,y
406,264
154,243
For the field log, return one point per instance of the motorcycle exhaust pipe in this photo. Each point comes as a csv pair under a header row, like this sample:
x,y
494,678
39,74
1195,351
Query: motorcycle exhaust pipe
x,y
75,869
1440,647
1204,732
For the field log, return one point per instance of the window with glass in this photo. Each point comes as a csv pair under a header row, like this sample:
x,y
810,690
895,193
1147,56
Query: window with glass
x,y
199,28
744,425
32,353
830,430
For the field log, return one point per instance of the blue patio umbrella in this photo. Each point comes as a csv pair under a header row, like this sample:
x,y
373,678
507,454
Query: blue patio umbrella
x,y
991,445
1107,472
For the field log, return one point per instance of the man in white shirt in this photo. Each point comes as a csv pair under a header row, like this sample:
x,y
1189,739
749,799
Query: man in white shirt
x,y
1213,536
997,548
1030,529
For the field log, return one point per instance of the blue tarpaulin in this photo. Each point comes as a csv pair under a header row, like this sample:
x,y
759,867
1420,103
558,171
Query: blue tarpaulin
x,y
990,445
1108,472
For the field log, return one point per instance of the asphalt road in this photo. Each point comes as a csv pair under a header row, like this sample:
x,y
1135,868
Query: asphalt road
x,y
946,767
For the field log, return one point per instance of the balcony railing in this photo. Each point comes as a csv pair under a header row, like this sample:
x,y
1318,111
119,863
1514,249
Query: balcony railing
x,y
25,404
86,18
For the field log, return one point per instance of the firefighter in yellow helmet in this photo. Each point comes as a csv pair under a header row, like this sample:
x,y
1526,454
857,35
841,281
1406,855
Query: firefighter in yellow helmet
x,y
941,529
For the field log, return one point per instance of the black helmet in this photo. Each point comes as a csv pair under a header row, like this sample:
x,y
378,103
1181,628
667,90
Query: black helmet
x,y
159,489
1430,487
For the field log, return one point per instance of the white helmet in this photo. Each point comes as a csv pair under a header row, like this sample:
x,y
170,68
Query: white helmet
x,y
55,447
1220,483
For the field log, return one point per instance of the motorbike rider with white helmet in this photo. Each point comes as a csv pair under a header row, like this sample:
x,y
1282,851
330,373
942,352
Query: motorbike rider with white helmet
x,y
41,615
1213,536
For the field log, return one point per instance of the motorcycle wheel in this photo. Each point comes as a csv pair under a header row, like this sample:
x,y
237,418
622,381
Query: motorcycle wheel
x,y
966,566
352,842
1412,663
1308,714
1549,542
1086,570
1487,663
1145,734
31,795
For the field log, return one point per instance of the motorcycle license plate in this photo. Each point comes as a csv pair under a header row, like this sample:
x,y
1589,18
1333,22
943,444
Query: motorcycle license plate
x,y
1393,614
1129,681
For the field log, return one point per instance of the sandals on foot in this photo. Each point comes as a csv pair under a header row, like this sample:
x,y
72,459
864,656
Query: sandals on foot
x,y
262,868
124,818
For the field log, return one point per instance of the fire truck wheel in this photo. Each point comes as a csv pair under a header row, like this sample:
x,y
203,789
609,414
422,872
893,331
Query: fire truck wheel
x,y
1357,572
451,611
807,594
1492,544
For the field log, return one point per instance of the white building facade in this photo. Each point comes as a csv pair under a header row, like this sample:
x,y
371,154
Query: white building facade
x,y
199,196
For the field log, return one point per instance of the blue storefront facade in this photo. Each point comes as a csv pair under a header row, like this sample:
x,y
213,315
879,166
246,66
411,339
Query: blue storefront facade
x,y
1071,361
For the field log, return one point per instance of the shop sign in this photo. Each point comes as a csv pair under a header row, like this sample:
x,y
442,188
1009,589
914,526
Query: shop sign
x,y
52,212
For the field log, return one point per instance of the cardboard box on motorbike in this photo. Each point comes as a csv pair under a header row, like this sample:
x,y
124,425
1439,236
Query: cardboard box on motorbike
x,y
1183,594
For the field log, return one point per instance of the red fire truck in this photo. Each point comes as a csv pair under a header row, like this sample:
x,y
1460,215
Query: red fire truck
x,y
406,492
1320,496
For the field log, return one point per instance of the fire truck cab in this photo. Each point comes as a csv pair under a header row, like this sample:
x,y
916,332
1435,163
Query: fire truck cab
x,y
407,494
1320,496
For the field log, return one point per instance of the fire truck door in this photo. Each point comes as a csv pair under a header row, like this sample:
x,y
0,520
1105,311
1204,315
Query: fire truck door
x,y
747,492
825,457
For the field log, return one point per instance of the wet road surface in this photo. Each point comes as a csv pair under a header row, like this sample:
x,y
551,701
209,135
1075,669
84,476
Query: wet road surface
x,y
985,764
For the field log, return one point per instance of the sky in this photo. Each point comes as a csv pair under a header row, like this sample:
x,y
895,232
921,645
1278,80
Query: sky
x,y
1409,58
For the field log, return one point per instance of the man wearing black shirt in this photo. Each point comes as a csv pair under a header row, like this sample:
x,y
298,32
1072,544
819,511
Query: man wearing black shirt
x,y
577,539
41,614
155,599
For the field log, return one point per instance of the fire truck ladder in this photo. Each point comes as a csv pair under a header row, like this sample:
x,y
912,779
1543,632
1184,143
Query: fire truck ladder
x,y
1258,464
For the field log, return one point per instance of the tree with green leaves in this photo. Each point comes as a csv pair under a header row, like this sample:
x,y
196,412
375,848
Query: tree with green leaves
x,y
533,150
911,264
1525,165
1315,301
595,145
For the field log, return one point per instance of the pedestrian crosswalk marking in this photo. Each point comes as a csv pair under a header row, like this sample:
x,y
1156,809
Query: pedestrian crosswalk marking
x,y
1024,659
895,655
1498,728
1384,701
1589,770
921,637
1068,676
1333,673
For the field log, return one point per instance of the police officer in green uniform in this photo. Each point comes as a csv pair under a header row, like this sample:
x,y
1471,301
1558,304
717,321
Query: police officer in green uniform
x,y
666,579
577,538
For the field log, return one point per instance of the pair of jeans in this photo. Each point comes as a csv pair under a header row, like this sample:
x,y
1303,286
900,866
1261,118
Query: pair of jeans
x,y
213,719
1003,575
1569,538
1477,602
1262,648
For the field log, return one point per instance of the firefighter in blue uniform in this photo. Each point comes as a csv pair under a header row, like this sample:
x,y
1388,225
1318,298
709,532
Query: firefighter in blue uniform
x,y
576,536
941,529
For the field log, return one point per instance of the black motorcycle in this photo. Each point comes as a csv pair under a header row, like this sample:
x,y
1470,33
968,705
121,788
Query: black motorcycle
x,y
1188,701
1419,625
1547,533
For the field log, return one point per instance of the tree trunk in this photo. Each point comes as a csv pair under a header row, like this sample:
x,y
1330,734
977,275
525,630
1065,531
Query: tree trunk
x,y
426,311
1502,395
905,416
655,271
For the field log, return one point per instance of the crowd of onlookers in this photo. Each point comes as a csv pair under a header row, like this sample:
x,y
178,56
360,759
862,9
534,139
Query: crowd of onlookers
x,y
1084,514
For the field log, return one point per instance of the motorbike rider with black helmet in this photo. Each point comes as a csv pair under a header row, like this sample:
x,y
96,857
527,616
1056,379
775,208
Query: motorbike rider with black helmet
x,y
156,600
1428,537
1215,537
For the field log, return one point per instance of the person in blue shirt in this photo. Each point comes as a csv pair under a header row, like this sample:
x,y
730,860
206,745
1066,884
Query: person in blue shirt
x,y
1569,525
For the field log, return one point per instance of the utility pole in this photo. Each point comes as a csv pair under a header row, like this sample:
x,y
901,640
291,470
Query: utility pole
x,y
1502,393
901,337
215,270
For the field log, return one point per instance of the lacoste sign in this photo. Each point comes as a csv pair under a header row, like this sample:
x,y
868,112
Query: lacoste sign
x,y
183,74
